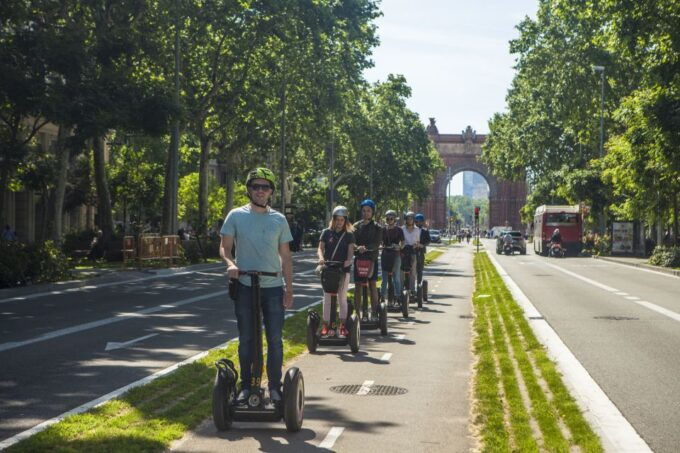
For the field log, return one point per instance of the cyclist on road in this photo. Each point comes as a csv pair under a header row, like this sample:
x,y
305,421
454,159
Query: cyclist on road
x,y
337,244
411,239
262,236
368,235
393,241
424,242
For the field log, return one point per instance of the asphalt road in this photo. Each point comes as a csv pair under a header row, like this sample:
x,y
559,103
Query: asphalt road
x,y
53,347
427,356
622,324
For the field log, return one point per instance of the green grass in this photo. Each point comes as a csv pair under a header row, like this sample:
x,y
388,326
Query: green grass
x,y
504,336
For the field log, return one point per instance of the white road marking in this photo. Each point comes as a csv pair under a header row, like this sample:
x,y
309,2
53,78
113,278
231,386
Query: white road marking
x,y
399,337
386,357
112,345
103,285
656,308
114,394
585,279
621,293
616,432
641,269
365,388
632,298
651,306
102,322
331,437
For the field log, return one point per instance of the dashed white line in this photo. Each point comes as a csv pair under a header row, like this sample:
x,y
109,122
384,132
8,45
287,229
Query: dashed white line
x,y
632,298
365,388
331,437
621,293
656,308
386,357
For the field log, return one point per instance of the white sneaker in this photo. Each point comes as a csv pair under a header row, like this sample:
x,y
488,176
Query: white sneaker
x,y
274,395
242,397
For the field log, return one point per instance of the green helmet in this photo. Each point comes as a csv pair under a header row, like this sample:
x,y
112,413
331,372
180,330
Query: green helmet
x,y
261,173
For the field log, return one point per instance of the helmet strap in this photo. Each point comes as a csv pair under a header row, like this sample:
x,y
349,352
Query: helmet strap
x,y
255,202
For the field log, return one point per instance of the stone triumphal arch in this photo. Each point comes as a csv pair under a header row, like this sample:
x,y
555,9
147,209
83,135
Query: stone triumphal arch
x,y
461,152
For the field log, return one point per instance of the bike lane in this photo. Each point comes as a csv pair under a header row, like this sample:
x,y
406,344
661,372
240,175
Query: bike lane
x,y
426,358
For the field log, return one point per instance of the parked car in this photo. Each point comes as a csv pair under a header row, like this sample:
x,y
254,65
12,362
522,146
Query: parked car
x,y
435,236
518,242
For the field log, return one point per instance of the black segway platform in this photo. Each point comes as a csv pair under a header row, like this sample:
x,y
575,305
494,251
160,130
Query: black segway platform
x,y
258,407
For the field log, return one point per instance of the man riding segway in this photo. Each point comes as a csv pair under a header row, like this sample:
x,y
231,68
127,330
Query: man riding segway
x,y
262,236
368,235
425,240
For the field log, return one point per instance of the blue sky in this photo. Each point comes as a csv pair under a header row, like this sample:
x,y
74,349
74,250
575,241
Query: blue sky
x,y
454,54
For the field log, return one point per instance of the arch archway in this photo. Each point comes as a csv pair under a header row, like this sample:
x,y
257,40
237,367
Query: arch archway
x,y
460,152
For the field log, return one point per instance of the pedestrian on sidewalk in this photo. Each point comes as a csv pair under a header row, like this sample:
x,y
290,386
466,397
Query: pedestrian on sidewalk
x,y
262,235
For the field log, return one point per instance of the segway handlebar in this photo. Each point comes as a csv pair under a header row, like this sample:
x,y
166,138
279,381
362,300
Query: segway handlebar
x,y
266,274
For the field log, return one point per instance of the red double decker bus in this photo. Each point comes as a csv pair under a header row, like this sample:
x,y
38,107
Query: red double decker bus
x,y
567,218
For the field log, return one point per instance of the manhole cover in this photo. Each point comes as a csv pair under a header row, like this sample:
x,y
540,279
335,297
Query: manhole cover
x,y
617,318
375,390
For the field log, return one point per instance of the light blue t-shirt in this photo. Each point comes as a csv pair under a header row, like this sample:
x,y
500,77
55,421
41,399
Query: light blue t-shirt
x,y
257,237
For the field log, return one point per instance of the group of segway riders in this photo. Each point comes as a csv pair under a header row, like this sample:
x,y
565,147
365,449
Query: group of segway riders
x,y
261,287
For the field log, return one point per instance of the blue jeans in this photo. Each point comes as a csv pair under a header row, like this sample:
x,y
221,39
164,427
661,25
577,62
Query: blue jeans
x,y
273,316
396,278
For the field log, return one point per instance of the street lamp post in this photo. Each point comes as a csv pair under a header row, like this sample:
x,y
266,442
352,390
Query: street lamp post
x,y
600,69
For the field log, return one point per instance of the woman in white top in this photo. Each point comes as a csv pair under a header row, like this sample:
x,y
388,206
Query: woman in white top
x,y
411,238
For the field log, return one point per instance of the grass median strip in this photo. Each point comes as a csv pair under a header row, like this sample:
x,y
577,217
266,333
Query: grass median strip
x,y
503,336
150,417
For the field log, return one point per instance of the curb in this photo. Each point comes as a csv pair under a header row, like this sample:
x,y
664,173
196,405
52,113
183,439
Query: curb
x,y
664,270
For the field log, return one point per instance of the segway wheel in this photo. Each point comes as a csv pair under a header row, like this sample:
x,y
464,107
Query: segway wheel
x,y
293,399
312,326
425,290
404,304
419,297
224,389
383,319
354,334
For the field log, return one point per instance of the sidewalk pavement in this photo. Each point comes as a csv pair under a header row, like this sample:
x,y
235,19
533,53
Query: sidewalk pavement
x,y
635,261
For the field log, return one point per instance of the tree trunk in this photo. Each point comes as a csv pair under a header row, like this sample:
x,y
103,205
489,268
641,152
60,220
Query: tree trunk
x,y
4,176
230,186
62,152
169,219
103,195
675,219
203,176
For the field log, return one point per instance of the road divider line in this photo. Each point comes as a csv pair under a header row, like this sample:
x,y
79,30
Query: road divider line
x,y
581,277
632,298
104,285
365,388
106,321
331,437
616,432
671,314
386,357
658,309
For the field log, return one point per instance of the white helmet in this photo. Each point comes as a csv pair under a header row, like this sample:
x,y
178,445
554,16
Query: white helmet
x,y
410,214
392,213
340,211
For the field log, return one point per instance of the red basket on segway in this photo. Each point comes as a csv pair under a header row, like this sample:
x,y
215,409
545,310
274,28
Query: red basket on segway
x,y
331,276
363,267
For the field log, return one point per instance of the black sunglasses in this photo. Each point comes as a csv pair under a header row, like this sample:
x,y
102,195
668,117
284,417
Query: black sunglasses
x,y
257,187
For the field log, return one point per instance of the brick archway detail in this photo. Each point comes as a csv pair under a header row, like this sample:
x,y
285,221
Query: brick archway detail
x,y
461,152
